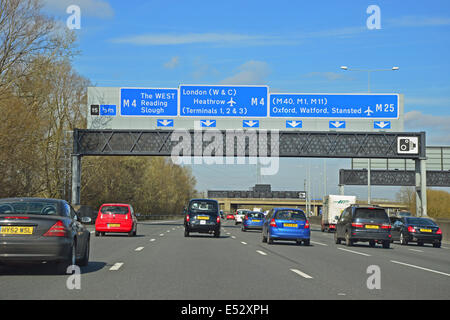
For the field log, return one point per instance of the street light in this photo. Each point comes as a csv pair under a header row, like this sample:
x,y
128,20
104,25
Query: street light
x,y
368,90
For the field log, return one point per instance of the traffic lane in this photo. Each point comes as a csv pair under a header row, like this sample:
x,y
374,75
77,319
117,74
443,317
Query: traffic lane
x,y
340,266
203,267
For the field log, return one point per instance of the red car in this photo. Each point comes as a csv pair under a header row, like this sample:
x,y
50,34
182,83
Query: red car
x,y
116,217
230,216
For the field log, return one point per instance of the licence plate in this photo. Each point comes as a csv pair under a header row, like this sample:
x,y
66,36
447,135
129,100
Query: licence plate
x,y
368,226
202,221
203,218
16,230
112,225
292,225
256,220
426,230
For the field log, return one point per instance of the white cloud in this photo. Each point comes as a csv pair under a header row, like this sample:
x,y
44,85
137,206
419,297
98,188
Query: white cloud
x,y
437,128
172,63
93,8
330,76
251,72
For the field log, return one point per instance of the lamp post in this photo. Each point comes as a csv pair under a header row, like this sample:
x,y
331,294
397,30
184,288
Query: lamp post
x,y
369,71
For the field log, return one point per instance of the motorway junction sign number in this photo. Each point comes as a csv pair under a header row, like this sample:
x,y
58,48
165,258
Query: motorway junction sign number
x,y
221,107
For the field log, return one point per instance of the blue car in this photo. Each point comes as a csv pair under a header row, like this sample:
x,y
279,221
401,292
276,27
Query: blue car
x,y
286,224
253,220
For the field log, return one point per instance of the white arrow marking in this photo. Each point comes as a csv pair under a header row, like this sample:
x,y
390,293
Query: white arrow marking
x,y
250,123
165,122
294,123
208,122
381,124
337,124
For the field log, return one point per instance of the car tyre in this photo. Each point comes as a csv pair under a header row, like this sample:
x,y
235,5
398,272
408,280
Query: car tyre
x,y
403,240
217,234
420,243
336,239
85,260
264,239
61,266
386,244
97,233
348,241
269,239
437,244
306,242
372,243
186,232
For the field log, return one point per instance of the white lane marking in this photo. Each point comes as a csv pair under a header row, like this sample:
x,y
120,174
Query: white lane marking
x,y
421,268
162,234
139,249
415,250
302,274
151,240
341,294
261,252
168,231
173,228
116,266
363,254
243,242
233,237
92,232
320,244
228,233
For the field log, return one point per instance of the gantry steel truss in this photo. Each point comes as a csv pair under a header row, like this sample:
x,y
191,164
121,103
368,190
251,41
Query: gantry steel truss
x,y
435,178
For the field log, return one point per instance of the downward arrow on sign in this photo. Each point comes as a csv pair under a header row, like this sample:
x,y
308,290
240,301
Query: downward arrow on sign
x,y
208,123
165,122
251,123
382,124
337,124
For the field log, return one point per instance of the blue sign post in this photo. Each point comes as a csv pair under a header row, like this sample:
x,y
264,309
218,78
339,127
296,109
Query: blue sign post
x,y
223,101
148,102
336,106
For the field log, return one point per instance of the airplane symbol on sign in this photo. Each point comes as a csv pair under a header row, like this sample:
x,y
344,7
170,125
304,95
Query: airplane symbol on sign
x,y
368,111
231,102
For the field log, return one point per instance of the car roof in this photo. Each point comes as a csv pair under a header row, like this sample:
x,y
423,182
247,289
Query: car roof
x,y
30,198
284,208
201,199
115,204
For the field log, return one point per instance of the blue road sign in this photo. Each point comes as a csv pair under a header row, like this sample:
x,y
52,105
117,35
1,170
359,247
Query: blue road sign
x,y
148,102
208,123
250,123
164,123
348,106
108,110
336,124
381,124
223,101
293,124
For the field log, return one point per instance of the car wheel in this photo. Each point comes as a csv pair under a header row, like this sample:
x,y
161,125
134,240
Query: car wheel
x,y
217,234
186,232
269,239
420,243
299,242
372,243
61,266
85,260
264,239
403,240
437,244
97,233
386,244
348,241
306,242
336,239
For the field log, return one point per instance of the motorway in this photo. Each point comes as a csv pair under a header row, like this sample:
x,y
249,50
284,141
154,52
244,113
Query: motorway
x,y
160,263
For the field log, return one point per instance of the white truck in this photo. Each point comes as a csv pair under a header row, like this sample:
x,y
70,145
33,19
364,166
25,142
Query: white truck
x,y
333,205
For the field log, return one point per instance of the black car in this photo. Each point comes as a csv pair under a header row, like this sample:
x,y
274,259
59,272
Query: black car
x,y
359,223
415,229
202,216
42,230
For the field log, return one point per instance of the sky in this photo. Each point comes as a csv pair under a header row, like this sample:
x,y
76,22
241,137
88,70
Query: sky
x,y
291,46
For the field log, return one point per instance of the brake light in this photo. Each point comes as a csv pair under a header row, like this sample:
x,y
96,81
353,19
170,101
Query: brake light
x,y
188,218
306,225
386,226
411,229
357,225
272,223
57,230
15,217
439,231
218,219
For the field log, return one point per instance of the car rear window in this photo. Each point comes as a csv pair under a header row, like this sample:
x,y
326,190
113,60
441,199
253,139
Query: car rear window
x,y
366,213
420,221
290,215
47,208
204,207
114,210
255,215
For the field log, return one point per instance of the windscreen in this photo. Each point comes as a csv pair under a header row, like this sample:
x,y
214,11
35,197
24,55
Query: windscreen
x,y
290,215
29,207
366,213
204,207
114,210
420,221
255,215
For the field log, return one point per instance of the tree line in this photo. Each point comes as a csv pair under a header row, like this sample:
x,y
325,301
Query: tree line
x,y
438,201
42,99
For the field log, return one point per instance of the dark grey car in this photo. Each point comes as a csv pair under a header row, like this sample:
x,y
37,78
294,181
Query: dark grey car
x,y
42,230
359,223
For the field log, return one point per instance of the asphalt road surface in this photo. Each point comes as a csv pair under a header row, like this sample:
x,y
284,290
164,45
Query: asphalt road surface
x,y
160,263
